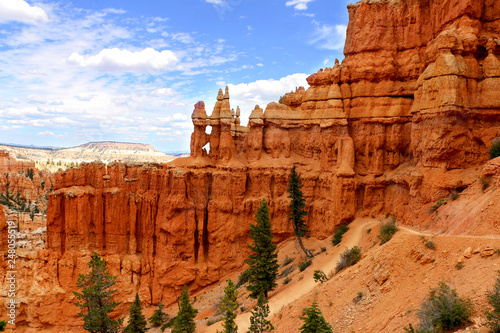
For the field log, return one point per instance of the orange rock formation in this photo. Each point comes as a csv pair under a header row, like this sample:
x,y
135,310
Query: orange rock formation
x,y
8,163
406,118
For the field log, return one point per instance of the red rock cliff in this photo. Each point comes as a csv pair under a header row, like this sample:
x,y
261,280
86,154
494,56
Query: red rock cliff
x,y
405,119
8,163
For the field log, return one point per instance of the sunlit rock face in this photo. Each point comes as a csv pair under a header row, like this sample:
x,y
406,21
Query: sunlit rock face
x,y
406,118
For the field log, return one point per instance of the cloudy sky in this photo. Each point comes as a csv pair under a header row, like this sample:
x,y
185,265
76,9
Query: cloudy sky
x,y
97,70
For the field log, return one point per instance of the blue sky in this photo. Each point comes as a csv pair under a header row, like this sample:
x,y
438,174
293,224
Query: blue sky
x,y
97,70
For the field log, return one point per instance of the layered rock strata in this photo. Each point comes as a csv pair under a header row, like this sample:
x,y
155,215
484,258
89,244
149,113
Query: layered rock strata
x,y
8,163
405,119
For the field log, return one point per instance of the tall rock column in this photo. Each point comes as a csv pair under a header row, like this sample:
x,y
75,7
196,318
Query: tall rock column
x,y
199,138
226,139
253,141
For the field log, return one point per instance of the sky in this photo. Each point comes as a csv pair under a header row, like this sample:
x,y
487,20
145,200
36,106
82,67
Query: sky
x,y
77,71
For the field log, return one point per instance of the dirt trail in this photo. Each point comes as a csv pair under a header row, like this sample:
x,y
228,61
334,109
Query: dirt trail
x,y
301,288
435,234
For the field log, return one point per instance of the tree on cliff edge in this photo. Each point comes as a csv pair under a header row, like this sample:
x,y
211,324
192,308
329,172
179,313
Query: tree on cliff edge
x,y
96,299
297,211
263,263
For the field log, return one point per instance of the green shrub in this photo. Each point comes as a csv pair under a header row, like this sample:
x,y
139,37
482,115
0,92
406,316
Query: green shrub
x,y
493,316
495,149
287,280
304,264
410,329
443,310
438,204
337,236
323,249
359,297
287,261
349,258
387,230
485,183
319,276
459,266
430,244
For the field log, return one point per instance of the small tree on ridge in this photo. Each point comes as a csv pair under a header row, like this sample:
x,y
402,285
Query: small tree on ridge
x,y
229,304
258,320
263,263
297,209
96,300
184,322
137,322
314,322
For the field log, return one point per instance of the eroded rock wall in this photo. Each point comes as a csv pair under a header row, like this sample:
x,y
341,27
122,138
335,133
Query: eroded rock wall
x,y
406,118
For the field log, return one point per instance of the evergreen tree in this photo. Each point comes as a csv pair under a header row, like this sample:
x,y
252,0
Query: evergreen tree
x,y
158,317
493,316
314,322
258,320
96,298
3,323
297,209
184,322
229,304
137,322
263,263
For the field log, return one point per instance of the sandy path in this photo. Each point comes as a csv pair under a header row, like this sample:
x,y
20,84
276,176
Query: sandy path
x,y
301,288
430,234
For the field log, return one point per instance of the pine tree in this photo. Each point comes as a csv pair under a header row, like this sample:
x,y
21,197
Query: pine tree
x,y
229,304
3,323
137,322
96,298
314,322
184,322
258,320
263,263
297,209
493,316
158,317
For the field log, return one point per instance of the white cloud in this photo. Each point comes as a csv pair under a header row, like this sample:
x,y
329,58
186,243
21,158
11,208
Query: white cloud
x,y
20,10
164,92
261,92
182,125
298,4
179,116
37,99
183,37
50,133
329,37
128,61
217,2
84,97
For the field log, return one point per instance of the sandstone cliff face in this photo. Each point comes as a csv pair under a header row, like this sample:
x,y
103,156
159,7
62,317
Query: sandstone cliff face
x,y
8,163
406,118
